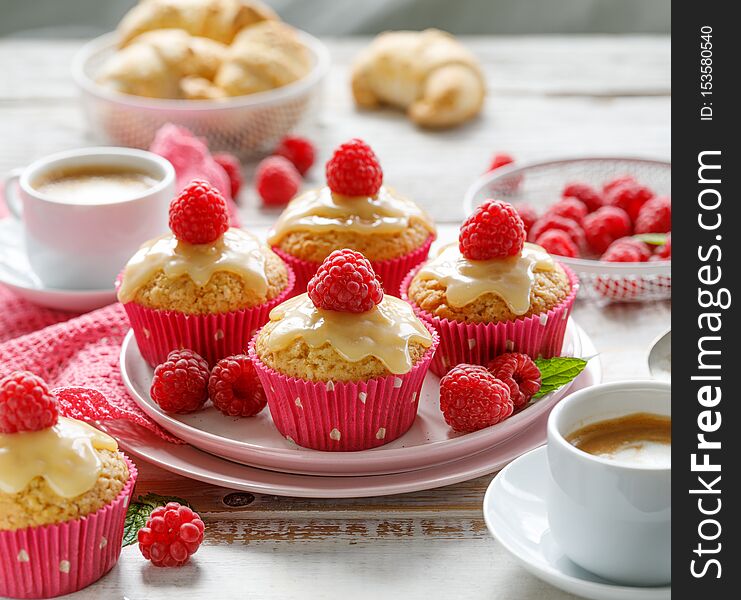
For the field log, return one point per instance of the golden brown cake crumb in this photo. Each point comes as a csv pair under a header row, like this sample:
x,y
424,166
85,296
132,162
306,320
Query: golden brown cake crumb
x,y
308,245
323,363
224,292
549,289
38,505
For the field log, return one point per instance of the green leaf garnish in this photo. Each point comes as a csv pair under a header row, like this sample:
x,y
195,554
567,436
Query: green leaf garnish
x,y
139,511
653,239
557,372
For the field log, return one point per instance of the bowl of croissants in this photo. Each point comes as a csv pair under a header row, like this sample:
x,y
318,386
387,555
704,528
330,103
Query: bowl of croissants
x,y
229,70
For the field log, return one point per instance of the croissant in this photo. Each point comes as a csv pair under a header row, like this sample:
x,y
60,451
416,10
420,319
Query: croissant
x,y
154,63
218,20
428,73
263,57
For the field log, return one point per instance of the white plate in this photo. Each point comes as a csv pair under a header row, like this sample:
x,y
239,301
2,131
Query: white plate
x,y
16,273
515,513
256,441
191,462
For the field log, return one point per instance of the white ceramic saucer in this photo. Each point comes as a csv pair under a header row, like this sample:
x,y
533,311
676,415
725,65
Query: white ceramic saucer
x,y
258,443
16,273
515,513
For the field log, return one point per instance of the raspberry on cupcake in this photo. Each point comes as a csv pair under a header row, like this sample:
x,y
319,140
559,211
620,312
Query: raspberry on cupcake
x,y
64,488
205,287
343,364
354,210
492,292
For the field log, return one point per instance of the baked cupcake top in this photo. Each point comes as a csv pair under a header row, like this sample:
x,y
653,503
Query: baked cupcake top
x,y
52,468
344,328
203,266
492,274
353,210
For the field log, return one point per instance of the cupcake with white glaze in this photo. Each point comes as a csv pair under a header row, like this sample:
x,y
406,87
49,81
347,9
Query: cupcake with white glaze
x,y
64,488
343,364
492,292
205,286
354,210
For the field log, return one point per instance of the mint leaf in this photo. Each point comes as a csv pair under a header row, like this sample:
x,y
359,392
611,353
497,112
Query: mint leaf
x,y
653,239
557,372
138,512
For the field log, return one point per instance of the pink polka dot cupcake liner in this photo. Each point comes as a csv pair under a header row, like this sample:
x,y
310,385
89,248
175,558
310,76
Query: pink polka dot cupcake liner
x,y
213,336
48,561
391,272
477,343
343,416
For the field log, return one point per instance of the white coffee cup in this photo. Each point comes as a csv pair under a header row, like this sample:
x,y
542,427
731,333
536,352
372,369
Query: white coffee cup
x,y
611,518
83,246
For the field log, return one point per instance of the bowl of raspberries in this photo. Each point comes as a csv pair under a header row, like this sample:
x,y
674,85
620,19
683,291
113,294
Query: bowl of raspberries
x,y
609,219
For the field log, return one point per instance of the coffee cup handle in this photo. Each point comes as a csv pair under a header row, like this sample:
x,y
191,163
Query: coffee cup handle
x,y
12,199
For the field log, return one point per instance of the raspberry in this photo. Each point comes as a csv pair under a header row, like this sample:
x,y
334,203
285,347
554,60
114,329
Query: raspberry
x,y
604,226
26,403
664,252
500,160
590,197
354,170
528,214
276,180
655,216
233,168
519,373
627,249
234,387
199,214
471,398
345,282
618,181
629,196
180,383
171,535
557,241
494,230
547,222
298,150
569,208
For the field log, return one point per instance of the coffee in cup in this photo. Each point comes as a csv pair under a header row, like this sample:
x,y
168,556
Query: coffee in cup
x,y
85,212
634,439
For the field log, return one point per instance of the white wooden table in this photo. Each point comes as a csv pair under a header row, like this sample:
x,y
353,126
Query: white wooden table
x,y
548,97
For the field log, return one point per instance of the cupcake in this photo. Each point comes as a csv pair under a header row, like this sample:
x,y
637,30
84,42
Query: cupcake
x,y
64,489
205,286
492,292
343,364
354,210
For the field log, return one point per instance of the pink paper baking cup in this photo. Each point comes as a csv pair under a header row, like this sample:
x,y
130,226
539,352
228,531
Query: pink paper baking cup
x,y
42,562
477,343
214,336
391,272
344,416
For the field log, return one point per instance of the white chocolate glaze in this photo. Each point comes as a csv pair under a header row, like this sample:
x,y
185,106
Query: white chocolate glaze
x,y
237,251
321,210
64,455
511,278
386,331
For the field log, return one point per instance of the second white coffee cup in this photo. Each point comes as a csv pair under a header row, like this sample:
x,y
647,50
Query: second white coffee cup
x,y
84,245
611,518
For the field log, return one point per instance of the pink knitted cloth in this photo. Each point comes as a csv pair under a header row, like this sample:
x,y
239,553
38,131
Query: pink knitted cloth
x,y
78,354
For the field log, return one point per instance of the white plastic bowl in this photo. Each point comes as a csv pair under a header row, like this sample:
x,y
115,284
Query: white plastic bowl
x,y
540,185
244,125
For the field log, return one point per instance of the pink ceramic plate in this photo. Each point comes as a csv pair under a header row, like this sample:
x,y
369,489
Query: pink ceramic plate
x,y
191,462
256,442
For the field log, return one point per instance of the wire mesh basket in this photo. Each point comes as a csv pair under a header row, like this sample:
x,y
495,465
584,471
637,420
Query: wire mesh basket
x,y
540,185
244,125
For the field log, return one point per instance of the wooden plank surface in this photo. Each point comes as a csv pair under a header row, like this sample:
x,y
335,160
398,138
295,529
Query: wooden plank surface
x,y
548,97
